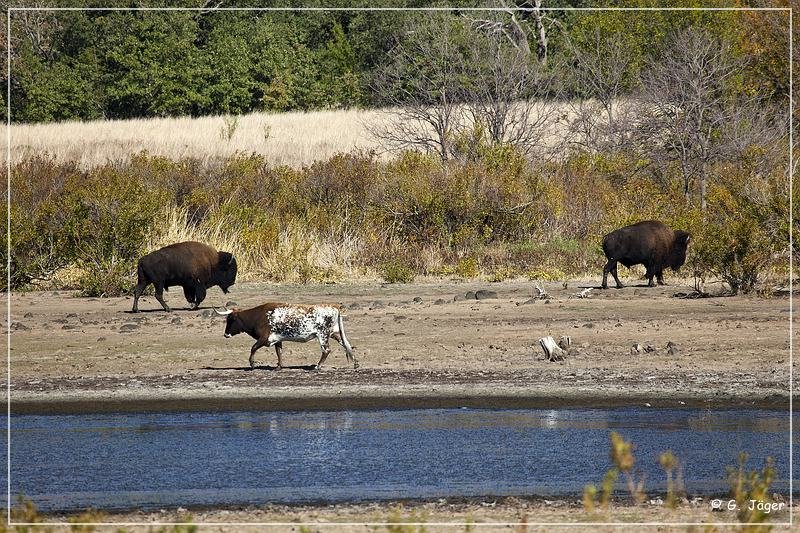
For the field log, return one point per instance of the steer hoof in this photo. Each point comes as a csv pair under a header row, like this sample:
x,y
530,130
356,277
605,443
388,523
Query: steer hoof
x,y
314,367
356,365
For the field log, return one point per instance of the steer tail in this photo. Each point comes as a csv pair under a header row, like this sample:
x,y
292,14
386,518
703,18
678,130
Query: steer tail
x,y
345,342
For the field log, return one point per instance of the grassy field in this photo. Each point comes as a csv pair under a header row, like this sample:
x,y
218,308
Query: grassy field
x,y
293,139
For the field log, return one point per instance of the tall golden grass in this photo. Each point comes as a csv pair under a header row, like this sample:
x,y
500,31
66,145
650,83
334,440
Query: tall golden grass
x,y
294,139
300,253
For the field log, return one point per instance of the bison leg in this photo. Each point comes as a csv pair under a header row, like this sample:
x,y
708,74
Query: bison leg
x,y
611,266
649,275
160,297
660,278
323,344
258,344
278,349
199,295
137,292
189,293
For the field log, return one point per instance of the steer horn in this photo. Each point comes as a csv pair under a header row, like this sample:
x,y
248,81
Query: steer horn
x,y
220,313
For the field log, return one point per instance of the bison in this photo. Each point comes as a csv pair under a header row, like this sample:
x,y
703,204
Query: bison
x,y
192,265
272,323
649,243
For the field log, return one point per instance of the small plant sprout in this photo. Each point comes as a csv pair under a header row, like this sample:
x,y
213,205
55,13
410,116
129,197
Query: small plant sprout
x,y
230,125
751,492
623,459
669,463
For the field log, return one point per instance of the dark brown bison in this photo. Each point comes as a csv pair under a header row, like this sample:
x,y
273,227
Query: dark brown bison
x,y
649,243
192,265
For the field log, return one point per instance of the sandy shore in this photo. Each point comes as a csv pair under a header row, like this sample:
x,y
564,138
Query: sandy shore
x,y
417,347
486,514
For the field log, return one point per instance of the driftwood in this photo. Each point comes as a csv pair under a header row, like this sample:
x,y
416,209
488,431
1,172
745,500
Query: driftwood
x,y
555,351
541,294
583,294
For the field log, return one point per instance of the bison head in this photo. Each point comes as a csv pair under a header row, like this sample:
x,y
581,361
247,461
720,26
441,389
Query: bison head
x,y
226,271
681,243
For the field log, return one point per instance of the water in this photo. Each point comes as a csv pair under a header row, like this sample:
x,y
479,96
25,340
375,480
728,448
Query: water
x,y
118,461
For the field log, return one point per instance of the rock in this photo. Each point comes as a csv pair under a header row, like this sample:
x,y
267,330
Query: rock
x,y
529,301
589,325
19,326
469,295
440,301
100,339
417,299
231,303
176,320
547,301
125,328
458,297
377,304
207,313
27,315
636,348
69,326
354,306
672,348
649,348
71,315
485,295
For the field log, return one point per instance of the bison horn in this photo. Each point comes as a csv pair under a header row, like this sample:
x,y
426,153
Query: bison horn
x,y
220,313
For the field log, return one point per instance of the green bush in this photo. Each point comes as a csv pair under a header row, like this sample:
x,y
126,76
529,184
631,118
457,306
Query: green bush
x,y
397,272
741,237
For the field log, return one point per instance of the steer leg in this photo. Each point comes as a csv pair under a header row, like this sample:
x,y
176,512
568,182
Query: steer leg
x,y
278,349
323,344
347,348
160,297
258,344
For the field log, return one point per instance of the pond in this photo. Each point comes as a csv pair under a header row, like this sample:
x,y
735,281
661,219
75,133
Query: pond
x,y
158,460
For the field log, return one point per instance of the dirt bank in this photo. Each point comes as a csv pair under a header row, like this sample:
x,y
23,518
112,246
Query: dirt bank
x,y
418,347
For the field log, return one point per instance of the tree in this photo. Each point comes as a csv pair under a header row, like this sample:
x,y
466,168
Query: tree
x,y
693,113
422,83
508,92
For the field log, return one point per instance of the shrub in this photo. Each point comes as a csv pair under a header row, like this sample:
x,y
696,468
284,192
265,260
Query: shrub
x,y
467,268
741,237
396,272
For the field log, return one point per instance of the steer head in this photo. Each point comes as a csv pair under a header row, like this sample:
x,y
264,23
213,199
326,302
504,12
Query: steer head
x,y
233,324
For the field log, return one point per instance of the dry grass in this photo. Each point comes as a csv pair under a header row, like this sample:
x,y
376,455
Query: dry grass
x,y
299,254
293,139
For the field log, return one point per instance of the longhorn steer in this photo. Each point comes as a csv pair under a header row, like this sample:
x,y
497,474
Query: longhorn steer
x,y
649,243
192,265
272,323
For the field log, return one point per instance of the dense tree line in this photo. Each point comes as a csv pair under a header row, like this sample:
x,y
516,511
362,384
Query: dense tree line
x,y
123,64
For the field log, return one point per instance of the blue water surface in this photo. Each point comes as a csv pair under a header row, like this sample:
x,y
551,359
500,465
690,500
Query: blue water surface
x,y
119,461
